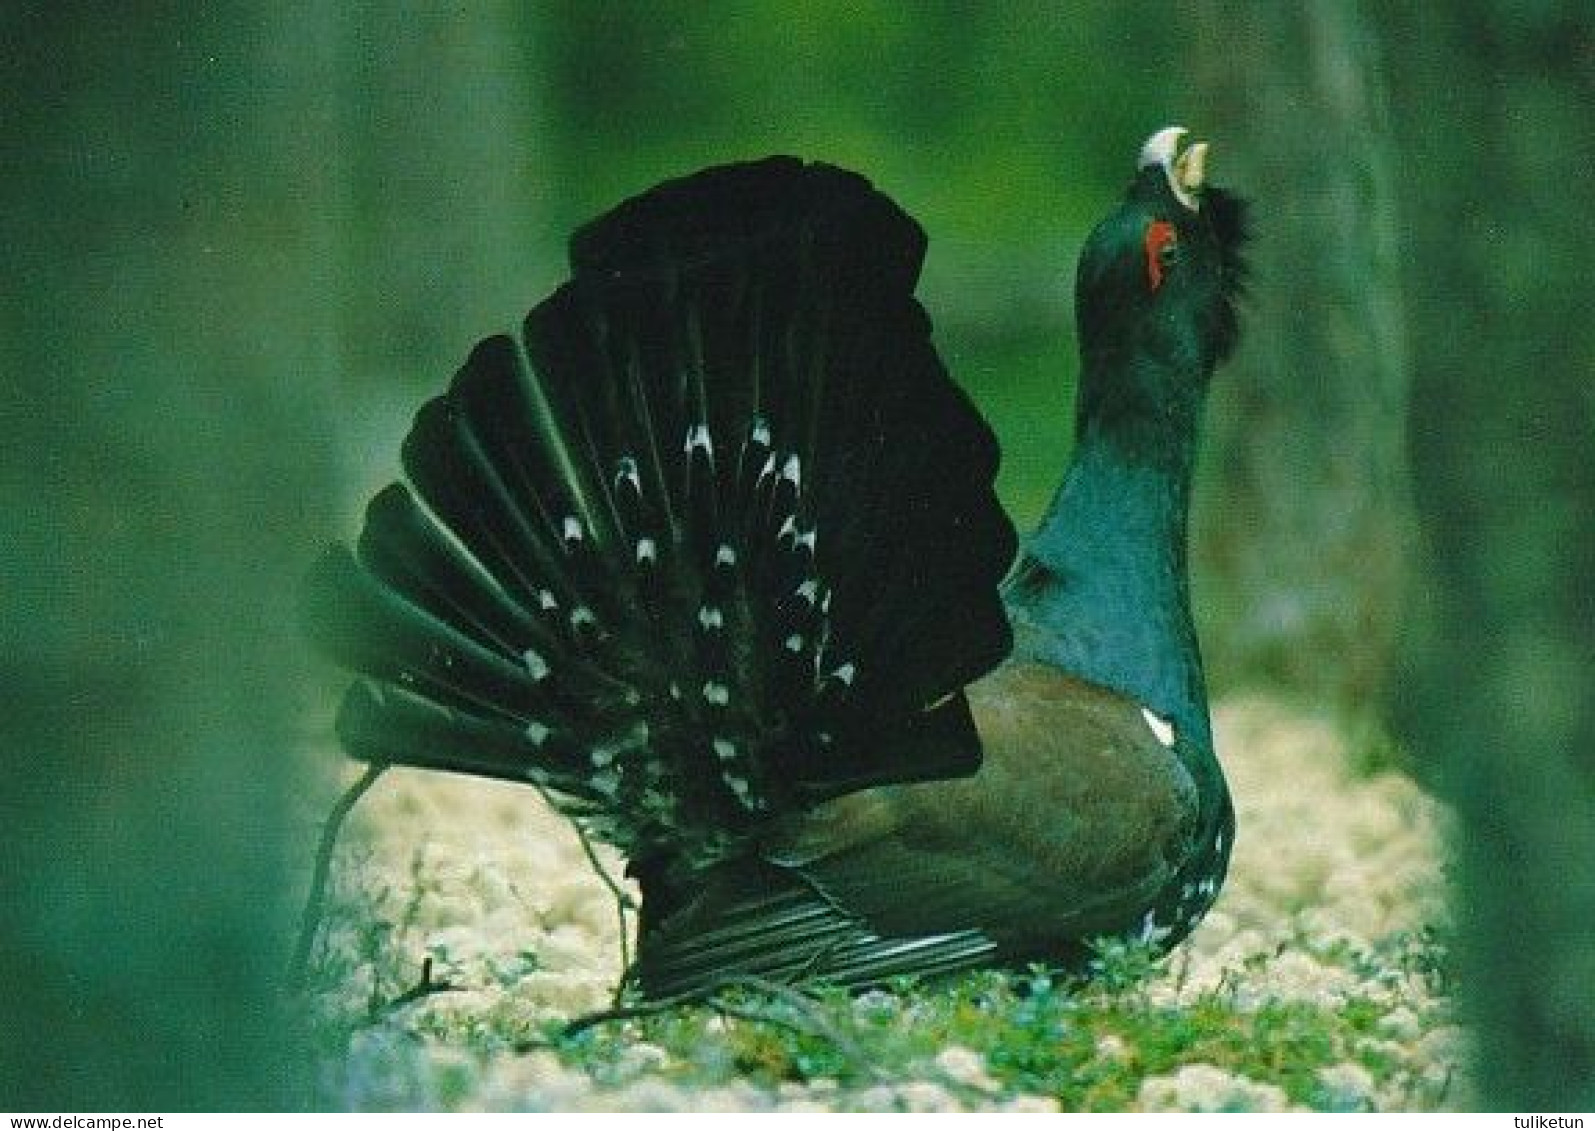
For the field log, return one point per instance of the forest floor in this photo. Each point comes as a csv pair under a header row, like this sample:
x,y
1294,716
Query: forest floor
x,y
1319,981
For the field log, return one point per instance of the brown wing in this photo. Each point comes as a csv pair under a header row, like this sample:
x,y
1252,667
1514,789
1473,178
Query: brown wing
x,y
1079,815
1077,819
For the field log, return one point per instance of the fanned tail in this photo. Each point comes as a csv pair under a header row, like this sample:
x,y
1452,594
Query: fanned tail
x,y
712,540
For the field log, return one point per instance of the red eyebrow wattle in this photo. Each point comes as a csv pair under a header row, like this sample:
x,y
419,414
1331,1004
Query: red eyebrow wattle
x,y
1159,234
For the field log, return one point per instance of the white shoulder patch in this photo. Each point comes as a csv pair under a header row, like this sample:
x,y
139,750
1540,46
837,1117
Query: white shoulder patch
x,y
1160,727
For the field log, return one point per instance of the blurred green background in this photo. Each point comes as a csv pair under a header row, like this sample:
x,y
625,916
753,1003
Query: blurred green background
x,y
974,117
244,241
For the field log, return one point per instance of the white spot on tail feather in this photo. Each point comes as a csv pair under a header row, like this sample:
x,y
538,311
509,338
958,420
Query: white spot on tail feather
x,y
809,590
537,732
761,431
711,618
805,540
739,786
792,470
647,550
698,439
546,599
535,664
794,643
716,693
603,754
725,749
725,556
573,528
581,615
626,472
847,673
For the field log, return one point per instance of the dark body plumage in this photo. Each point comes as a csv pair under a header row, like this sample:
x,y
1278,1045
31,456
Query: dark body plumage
x,y
711,553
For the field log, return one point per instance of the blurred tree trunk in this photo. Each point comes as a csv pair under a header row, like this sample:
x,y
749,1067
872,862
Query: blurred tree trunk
x,y
166,344
1302,544
450,184
1494,106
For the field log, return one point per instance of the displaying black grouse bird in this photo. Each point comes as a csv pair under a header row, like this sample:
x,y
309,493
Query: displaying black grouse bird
x,y
710,552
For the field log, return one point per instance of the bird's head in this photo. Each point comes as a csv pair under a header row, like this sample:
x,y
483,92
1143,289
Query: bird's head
x,y
1160,277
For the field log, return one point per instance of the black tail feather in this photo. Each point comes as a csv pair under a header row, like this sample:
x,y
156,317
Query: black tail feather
x,y
379,631
401,546
714,539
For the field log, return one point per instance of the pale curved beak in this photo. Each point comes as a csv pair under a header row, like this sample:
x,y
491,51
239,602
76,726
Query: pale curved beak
x,y
1185,166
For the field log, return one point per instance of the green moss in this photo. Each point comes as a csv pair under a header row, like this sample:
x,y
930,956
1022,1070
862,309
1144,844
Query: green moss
x,y
1090,1045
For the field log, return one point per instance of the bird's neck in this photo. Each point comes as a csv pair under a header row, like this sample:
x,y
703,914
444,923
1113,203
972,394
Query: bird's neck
x,y
1102,590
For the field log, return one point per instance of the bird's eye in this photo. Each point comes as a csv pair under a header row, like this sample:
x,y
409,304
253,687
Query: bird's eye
x,y
1162,246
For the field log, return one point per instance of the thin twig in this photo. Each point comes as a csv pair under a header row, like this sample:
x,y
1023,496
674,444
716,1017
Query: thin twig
x,y
623,901
632,1012
316,898
426,987
704,996
817,1023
